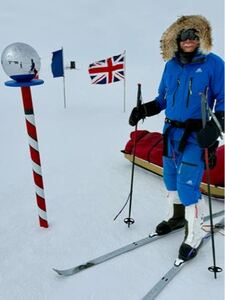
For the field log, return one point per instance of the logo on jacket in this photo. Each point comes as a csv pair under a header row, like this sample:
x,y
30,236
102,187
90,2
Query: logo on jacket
x,y
199,70
189,182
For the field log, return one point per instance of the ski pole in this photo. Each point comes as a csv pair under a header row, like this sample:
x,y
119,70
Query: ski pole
x,y
130,220
205,115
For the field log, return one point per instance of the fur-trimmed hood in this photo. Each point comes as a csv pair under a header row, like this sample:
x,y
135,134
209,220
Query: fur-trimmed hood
x,y
168,42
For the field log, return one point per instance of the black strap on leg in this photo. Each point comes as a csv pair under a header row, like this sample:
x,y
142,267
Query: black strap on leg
x,y
165,141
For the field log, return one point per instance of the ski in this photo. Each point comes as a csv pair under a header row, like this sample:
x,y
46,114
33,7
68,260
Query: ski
x,y
96,261
176,268
110,255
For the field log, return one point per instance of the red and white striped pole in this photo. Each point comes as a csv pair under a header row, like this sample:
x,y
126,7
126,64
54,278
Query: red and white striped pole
x,y
35,155
21,62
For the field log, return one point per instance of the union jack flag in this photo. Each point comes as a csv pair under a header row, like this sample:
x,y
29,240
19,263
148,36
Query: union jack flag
x,y
107,70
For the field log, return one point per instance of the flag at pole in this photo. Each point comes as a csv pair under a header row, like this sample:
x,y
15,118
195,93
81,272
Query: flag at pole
x,y
124,81
57,63
58,69
108,70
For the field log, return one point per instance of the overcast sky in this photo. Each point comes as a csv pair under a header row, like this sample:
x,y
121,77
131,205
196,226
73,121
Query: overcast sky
x,y
91,30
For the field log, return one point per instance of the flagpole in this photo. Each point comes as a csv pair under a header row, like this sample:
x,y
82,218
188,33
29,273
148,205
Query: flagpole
x,y
64,81
124,92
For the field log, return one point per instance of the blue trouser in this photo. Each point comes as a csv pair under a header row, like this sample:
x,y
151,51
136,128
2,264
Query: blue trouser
x,y
182,171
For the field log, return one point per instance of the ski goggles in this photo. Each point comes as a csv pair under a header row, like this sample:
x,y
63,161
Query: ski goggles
x,y
189,34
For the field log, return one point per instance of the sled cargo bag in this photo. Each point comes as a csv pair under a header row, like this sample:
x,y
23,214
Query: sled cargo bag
x,y
149,148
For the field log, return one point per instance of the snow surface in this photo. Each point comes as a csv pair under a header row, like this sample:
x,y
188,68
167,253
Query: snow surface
x,y
86,178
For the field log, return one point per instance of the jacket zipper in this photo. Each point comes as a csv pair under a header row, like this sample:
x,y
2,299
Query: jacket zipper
x,y
189,92
174,94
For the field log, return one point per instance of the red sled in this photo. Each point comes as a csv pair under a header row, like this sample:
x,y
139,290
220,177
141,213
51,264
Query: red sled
x,y
149,152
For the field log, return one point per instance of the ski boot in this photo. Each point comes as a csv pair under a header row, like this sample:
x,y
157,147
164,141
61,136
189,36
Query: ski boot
x,y
175,218
193,233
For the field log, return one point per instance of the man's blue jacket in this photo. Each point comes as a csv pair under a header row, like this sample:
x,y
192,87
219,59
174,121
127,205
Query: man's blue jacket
x,y
181,87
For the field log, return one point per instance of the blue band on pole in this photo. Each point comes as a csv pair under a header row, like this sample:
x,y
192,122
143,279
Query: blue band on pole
x,y
13,83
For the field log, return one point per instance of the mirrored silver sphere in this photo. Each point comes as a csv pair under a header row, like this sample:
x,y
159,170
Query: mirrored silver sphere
x,y
20,61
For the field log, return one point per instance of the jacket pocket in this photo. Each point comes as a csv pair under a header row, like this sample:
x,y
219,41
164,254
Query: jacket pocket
x,y
188,174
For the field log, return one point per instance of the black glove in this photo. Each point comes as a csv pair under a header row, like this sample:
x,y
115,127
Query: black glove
x,y
144,110
137,114
207,136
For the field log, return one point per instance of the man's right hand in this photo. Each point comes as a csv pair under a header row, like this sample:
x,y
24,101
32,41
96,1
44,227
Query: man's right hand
x,y
137,114
144,110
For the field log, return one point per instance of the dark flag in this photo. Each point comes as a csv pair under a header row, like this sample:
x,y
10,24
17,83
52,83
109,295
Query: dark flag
x,y
57,63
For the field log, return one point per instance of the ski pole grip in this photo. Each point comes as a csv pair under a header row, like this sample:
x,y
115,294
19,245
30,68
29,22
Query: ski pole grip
x,y
139,97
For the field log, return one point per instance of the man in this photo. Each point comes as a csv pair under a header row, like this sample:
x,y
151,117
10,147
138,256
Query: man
x,y
190,72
